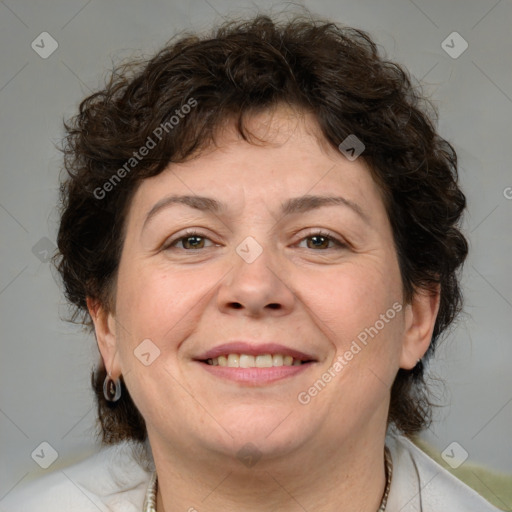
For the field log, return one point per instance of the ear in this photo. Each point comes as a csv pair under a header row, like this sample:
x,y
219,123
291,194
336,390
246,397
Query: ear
x,y
420,319
105,328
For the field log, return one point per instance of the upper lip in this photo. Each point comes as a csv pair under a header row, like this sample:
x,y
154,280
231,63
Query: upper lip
x,y
254,349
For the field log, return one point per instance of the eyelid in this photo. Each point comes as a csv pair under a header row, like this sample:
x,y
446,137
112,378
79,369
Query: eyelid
x,y
189,232
339,241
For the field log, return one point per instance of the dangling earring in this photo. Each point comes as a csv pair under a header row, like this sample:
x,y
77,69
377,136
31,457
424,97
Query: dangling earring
x,y
112,389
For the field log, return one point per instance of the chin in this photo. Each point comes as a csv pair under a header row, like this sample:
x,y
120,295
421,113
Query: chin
x,y
272,429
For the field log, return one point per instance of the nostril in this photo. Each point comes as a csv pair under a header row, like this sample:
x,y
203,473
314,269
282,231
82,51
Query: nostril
x,y
237,305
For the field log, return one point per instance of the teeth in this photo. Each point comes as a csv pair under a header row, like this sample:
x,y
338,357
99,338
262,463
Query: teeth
x,y
248,361
234,360
277,360
264,361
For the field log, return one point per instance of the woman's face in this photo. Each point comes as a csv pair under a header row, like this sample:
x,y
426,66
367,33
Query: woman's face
x,y
251,250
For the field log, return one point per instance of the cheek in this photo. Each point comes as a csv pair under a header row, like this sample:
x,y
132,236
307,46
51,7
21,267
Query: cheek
x,y
350,298
163,307
157,304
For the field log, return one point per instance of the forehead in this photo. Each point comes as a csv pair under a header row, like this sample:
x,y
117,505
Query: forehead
x,y
286,156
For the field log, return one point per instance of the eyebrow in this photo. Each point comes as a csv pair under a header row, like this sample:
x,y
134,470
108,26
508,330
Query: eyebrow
x,y
291,206
204,204
309,202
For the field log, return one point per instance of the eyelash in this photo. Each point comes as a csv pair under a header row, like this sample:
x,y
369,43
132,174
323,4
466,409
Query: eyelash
x,y
192,233
329,237
187,234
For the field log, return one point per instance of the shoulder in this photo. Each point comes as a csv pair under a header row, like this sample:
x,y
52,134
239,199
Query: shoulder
x,y
421,484
110,480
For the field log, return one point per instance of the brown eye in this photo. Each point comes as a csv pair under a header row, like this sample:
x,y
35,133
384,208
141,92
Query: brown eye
x,y
318,242
192,242
321,241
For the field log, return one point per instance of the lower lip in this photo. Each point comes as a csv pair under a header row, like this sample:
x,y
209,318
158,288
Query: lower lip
x,y
255,376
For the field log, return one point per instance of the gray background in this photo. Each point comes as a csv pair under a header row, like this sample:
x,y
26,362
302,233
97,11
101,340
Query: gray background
x,y
45,362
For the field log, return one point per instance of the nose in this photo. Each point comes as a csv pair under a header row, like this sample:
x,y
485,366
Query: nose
x,y
256,289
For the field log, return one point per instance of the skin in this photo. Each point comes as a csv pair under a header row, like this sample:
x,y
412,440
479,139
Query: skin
x,y
313,296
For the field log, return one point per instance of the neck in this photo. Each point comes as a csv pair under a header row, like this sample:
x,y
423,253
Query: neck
x,y
352,478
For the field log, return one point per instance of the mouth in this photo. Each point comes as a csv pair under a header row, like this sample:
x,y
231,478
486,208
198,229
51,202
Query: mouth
x,y
258,361
254,365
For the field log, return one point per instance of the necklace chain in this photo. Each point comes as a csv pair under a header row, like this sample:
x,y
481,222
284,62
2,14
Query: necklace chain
x,y
150,499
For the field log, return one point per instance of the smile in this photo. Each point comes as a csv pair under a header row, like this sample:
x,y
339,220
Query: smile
x,y
251,374
250,361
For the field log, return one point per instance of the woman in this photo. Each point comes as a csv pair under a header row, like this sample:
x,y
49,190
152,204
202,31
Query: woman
x,y
262,228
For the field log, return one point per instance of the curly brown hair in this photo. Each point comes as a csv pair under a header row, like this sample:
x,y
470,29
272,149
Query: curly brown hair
x,y
244,67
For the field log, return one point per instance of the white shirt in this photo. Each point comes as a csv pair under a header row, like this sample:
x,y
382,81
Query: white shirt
x,y
113,481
